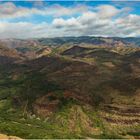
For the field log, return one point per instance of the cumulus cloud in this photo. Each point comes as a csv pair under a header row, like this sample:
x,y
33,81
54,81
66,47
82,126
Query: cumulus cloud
x,y
28,30
103,20
10,10
106,20
107,11
60,22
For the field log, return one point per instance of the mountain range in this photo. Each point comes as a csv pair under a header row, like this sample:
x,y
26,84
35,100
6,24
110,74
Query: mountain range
x,y
70,87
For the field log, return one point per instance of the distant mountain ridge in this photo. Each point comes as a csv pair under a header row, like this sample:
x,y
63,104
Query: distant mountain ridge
x,y
107,41
29,44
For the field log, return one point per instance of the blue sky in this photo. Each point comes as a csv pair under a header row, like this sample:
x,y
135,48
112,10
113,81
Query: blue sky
x,y
35,19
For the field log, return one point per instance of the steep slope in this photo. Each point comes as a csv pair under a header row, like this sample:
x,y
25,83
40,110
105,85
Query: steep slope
x,y
21,45
62,96
103,54
9,55
43,52
75,50
28,48
5,51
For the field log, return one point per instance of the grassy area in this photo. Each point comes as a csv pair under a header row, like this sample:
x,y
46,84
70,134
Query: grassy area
x,y
59,125
73,120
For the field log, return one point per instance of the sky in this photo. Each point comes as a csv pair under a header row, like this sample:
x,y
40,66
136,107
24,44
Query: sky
x,y
42,19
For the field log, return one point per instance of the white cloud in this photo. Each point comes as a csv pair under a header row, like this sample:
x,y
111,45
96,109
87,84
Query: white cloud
x,y
28,30
58,10
104,20
10,10
107,11
60,23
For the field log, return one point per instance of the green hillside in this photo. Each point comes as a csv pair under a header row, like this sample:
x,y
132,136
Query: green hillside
x,y
73,93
